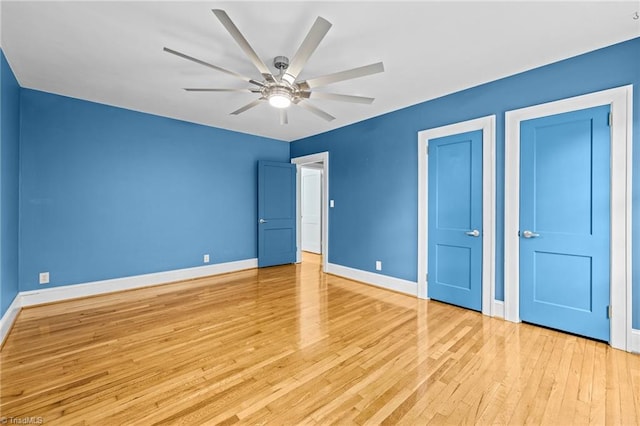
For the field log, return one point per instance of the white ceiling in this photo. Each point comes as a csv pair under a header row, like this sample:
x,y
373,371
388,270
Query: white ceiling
x,y
111,52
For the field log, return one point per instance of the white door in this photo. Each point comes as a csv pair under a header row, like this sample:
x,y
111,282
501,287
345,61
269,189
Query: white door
x,y
311,210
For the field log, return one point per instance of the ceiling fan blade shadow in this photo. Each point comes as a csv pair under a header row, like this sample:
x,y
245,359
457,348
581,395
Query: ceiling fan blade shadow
x,y
317,111
284,117
243,43
337,97
342,75
309,45
215,67
247,106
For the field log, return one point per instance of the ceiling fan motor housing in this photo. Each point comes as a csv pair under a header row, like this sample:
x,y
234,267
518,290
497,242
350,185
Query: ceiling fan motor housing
x,y
280,93
281,62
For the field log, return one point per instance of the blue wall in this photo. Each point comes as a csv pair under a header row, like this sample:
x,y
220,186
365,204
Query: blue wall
x,y
108,192
9,158
374,164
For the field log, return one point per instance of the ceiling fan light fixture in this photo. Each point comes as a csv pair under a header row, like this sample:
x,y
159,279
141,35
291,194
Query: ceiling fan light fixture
x,y
279,97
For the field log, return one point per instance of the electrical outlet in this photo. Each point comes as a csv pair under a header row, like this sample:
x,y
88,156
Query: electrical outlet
x,y
44,278
332,203
205,258
378,265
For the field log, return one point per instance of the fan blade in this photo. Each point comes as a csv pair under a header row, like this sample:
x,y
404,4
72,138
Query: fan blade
x,y
342,75
243,43
197,89
317,111
337,97
284,118
217,68
247,106
309,45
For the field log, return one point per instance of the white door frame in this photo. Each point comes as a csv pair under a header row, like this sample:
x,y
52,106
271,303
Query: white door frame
x,y
321,157
620,99
487,125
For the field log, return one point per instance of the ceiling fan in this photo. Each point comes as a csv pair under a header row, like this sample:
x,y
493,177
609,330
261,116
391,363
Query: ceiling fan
x,y
284,89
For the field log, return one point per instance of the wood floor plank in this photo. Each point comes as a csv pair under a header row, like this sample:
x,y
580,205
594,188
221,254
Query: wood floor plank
x,y
291,345
601,392
570,391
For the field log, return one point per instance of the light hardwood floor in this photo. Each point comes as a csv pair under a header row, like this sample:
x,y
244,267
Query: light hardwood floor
x,y
289,345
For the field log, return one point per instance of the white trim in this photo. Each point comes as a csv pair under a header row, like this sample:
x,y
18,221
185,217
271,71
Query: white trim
x,y
487,125
9,317
635,341
620,100
55,294
622,124
498,309
321,157
379,280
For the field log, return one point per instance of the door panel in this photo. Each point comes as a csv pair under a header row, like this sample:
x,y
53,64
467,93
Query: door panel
x,y
453,268
564,202
554,271
455,210
276,213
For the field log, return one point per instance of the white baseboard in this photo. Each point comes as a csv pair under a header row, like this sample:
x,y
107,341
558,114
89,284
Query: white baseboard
x,y
635,341
498,309
55,294
379,280
6,322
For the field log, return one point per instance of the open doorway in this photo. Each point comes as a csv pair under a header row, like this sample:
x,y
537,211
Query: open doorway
x,y
312,208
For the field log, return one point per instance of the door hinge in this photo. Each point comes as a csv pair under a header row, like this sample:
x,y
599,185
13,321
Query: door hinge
x,y
608,311
427,278
427,149
610,120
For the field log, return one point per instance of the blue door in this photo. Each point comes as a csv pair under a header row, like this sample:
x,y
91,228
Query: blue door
x,y
276,213
455,219
564,221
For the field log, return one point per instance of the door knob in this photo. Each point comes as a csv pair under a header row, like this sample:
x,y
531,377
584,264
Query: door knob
x,y
262,221
529,234
474,233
